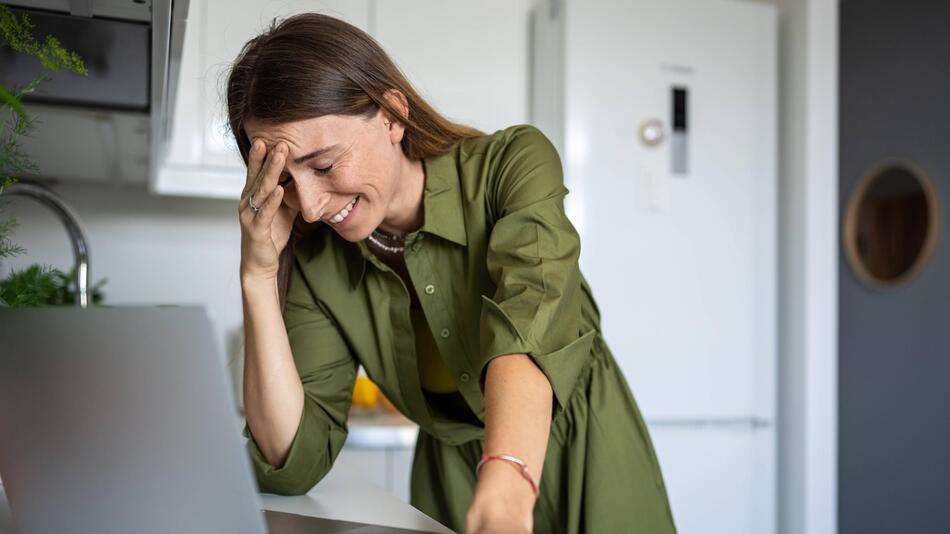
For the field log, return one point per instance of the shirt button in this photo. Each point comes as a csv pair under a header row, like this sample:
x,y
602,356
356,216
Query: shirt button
x,y
415,246
464,377
430,289
445,332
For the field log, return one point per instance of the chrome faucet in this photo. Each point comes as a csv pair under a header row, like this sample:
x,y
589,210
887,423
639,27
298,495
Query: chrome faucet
x,y
47,197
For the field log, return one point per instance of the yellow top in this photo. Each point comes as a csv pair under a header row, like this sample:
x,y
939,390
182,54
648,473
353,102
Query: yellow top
x,y
433,373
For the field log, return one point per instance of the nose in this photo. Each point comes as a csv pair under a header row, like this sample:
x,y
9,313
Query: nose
x,y
313,199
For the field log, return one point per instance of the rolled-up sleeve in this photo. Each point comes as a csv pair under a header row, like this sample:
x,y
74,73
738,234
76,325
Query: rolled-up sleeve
x,y
327,370
532,259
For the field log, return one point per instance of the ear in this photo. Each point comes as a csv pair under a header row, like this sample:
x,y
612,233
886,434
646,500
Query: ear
x,y
396,127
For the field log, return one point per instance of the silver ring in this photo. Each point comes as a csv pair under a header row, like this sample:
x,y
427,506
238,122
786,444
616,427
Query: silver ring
x,y
250,202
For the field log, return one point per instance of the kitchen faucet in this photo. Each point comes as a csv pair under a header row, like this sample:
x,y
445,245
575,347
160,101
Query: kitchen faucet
x,y
47,197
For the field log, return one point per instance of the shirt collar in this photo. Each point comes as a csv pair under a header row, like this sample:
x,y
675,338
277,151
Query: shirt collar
x,y
441,208
442,200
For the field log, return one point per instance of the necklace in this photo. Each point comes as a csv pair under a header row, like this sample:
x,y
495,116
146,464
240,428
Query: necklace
x,y
388,237
384,246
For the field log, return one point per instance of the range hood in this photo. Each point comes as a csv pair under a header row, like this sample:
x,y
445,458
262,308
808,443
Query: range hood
x,y
110,125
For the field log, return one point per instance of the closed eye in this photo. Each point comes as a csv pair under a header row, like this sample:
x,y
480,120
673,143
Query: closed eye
x,y
286,178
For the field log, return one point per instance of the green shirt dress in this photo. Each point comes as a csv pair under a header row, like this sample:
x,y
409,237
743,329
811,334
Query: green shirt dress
x,y
494,269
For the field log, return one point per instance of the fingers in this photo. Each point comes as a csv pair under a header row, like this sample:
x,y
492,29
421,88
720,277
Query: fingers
x,y
268,176
245,214
268,171
255,158
272,171
265,217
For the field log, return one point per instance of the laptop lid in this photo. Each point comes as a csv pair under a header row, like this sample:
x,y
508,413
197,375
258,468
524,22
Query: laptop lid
x,y
120,420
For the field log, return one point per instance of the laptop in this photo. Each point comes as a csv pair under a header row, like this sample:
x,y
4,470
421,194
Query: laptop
x,y
122,419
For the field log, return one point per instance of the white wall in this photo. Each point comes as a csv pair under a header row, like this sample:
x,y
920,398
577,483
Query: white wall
x,y
152,249
808,270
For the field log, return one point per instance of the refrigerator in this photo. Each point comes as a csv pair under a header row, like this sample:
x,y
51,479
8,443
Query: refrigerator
x,y
664,113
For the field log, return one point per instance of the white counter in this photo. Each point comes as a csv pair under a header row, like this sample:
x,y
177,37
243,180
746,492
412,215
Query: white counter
x,y
380,430
343,494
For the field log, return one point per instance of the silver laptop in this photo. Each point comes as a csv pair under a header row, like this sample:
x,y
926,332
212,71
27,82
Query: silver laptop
x,y
118,420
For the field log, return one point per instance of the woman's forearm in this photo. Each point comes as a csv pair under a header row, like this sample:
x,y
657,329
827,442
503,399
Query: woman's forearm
x,y
273,392
518,402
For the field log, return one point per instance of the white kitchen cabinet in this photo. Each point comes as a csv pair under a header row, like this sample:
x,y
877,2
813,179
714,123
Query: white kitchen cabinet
x,y
201,158
440,45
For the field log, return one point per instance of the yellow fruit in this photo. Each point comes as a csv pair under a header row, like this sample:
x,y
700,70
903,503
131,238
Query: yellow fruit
x,y
365,392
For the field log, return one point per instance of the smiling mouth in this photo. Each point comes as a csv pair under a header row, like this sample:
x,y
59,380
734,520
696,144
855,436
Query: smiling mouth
x,y
339,216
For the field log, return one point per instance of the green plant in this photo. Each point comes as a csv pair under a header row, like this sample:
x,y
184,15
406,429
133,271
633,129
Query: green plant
x,y
8,248
43,286
37,284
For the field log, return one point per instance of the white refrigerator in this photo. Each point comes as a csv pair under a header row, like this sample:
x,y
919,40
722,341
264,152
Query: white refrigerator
x,y
664,112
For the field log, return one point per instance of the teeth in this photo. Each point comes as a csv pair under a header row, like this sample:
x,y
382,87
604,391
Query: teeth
x,y
343,212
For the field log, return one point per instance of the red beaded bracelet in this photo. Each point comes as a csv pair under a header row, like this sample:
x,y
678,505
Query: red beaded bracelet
x,y
517,462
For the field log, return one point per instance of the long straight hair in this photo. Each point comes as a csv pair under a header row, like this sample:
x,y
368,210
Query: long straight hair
x,y
310,65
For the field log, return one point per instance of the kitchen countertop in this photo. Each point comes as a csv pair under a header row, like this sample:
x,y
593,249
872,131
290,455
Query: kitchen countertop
x,y
343,494
380,430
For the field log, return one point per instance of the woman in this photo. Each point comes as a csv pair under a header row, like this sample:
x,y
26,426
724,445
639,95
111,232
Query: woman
x,y
376,232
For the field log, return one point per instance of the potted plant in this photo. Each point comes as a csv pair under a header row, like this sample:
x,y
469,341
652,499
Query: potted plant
x,y
35,285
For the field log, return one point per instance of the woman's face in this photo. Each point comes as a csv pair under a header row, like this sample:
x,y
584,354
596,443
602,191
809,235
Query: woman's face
x,y
334,161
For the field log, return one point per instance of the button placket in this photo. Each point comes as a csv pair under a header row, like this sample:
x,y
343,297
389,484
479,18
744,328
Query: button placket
x,y
406,367
444,333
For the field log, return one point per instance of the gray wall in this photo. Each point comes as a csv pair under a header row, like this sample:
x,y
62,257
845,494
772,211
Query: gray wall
x,y
894,435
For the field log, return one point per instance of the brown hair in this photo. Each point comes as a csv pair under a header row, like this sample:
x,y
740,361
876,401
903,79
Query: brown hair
x,y
310,65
